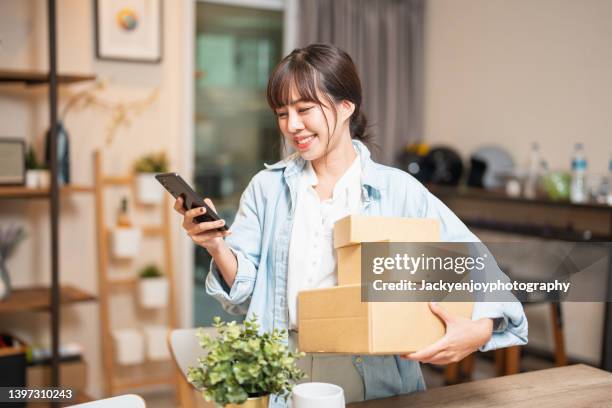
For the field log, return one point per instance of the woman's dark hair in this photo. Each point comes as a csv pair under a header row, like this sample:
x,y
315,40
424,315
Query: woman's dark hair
x,y
324,67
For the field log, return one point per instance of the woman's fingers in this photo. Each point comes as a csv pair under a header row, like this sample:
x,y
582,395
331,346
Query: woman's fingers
x,y
178,206
190,215
209,203
205,226
205,237
427,353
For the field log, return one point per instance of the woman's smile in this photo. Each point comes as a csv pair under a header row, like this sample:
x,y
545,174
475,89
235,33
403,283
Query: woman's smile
x,y
304,142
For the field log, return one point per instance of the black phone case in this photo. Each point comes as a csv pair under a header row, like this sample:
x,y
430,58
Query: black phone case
x,y
178,187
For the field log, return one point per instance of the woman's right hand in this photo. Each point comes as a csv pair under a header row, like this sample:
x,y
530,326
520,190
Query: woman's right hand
x,y
204,234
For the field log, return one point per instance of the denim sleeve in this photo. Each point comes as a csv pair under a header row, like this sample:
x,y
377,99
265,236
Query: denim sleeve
x,y
245,244
513,328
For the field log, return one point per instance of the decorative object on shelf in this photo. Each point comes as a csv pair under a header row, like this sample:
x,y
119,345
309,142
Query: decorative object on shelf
x,y
121,113
10,237
490,167
63,153
12,161
123,215
152,288
437,165
129,31
37,176
411,160
126,238
149,191
156,343
126,242
129,346
243,366
445,164
556,185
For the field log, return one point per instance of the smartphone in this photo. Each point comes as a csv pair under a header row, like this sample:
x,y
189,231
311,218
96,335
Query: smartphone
x,y
178,187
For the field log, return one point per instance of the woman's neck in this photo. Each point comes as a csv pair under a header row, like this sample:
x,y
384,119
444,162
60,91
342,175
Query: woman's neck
x,y
337,161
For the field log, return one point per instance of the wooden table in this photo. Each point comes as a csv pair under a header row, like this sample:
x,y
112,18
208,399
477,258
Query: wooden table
x,y
571,386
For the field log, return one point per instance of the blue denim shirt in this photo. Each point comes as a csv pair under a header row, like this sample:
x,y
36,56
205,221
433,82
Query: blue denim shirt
x,y
260,242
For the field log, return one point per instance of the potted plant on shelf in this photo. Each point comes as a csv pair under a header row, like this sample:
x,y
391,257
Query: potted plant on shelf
x,y
152,288
243,367
148,189
37,176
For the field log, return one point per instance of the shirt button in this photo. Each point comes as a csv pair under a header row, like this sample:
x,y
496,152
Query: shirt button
x,y
359,360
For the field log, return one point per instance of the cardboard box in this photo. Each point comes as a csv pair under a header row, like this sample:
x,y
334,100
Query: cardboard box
x,y
350,231
334,320
355,229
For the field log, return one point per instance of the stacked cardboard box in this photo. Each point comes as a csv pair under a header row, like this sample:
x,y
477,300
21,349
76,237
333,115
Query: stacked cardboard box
x,y
334,320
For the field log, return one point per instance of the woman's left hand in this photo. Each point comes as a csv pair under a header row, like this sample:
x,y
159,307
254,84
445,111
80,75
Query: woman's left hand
x,y
463,337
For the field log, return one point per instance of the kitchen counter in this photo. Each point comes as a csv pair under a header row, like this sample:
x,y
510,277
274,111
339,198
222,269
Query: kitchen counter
x,y
571,386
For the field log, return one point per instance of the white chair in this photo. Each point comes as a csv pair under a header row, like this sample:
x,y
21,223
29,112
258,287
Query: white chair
x,y
185,349
122,401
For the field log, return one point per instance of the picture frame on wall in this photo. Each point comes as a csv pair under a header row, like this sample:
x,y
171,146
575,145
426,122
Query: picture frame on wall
x,y
12,162
129,30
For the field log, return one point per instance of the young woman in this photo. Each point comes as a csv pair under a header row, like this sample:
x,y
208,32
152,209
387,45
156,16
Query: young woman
x,y
281,239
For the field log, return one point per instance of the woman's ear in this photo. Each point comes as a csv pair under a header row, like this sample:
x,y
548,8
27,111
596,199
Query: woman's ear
x,y
346,109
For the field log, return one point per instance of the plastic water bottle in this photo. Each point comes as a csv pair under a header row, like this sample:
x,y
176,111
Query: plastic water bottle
x,y
531,182
578,191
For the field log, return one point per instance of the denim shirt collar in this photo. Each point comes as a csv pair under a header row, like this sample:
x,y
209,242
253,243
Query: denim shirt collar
x,y
294,164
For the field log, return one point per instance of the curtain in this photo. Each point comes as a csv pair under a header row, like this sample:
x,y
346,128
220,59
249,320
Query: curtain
x,y
385,40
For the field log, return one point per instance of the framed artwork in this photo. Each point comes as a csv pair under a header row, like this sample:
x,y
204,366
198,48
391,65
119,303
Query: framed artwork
x,y
12,161
129,30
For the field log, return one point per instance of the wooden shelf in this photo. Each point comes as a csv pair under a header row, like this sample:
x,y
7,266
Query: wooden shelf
x,y
40,77
118,180
25,192
473,193
38,298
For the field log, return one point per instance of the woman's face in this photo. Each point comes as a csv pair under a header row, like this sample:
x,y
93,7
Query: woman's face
x,y
307,125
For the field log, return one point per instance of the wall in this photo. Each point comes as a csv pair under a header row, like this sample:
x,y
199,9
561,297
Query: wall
x,y
24,113
510,72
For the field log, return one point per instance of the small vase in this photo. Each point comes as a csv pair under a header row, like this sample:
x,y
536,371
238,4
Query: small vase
x,y
153,292
148,189
63,153
5,280
257,402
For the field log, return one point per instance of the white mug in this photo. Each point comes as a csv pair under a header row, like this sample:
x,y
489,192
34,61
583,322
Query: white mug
x,y
317,395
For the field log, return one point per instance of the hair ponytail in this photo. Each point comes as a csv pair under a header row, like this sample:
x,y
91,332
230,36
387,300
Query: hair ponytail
x,y
358,127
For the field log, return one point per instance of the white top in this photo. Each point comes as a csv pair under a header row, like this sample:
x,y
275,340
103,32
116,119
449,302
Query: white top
x,y
312,259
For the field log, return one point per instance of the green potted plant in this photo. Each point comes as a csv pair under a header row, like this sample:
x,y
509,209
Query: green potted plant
x,y
146,167
152,287
37,176
243,367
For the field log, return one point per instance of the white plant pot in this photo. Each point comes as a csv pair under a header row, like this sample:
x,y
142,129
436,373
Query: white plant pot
x,y
126,242
148,189
129,346
38,179
153,292
156,344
